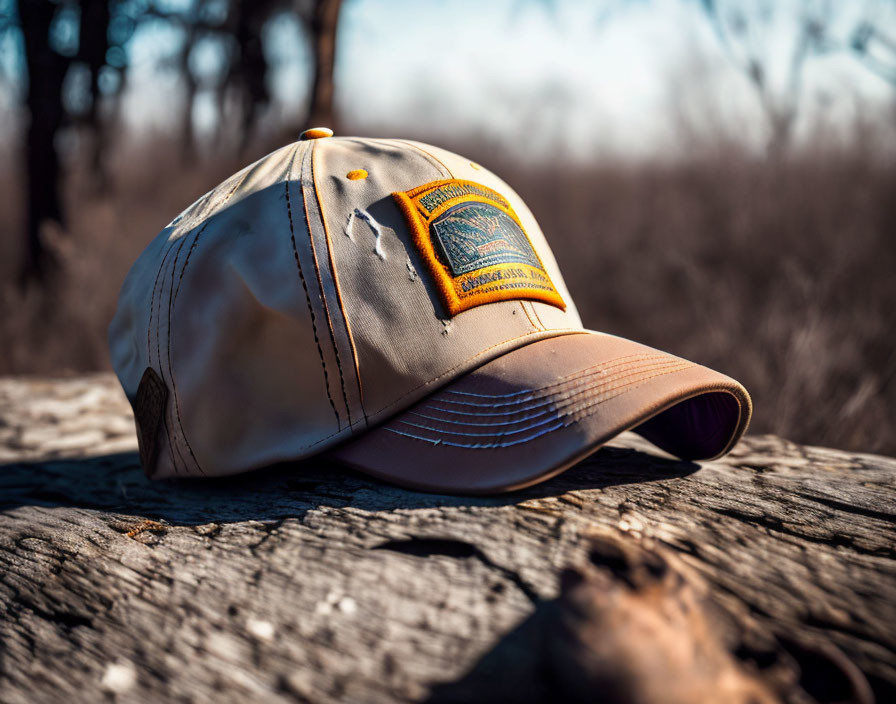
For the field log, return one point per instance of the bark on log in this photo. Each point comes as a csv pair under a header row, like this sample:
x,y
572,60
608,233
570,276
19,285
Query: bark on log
x,y
768,575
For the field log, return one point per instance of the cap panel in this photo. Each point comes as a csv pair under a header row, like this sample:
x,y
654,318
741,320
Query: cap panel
x,y
543,314
251,369
141,318
134,318
405,340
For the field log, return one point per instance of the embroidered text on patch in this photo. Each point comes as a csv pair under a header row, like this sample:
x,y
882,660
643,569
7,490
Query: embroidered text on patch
x,y
474,245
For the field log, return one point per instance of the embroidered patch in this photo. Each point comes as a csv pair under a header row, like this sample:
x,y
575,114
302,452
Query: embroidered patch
x,y
149,407
475,245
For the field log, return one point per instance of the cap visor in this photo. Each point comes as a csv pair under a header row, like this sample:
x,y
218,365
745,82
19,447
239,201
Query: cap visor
x,y
533,412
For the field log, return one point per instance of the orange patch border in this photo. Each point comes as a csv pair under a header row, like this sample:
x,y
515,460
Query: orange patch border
x,y
455,299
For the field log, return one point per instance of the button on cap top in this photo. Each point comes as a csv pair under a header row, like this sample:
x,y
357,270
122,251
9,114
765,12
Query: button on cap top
x,y
316,133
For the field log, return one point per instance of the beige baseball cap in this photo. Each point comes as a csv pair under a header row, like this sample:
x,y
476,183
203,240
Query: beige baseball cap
x,y
397,307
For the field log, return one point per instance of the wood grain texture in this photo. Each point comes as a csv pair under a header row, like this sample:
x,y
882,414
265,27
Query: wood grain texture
x,y
309,582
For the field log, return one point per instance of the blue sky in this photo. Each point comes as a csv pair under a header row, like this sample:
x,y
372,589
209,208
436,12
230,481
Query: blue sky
x,y
574,77
554,75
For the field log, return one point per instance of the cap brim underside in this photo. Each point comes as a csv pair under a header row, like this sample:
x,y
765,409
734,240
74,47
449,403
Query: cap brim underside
x,y
535,411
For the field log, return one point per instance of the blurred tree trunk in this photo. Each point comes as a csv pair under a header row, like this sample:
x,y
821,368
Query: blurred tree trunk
x,y
323,25
46,70
249,72
191,86
93,44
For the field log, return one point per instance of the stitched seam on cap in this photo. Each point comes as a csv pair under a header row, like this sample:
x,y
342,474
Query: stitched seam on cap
x,y
559,331
591,408
626,363
168,361
295,250
334,273
532,304
172,299
613,365
531,322
173,302
320,283
535,310
203,208
159,347
610,389
152,302
582,386
149,329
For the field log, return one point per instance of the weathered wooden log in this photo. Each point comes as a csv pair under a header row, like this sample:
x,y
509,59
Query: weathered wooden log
x,y
769,575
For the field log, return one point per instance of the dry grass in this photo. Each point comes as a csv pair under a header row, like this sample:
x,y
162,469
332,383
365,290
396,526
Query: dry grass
x,y
779,274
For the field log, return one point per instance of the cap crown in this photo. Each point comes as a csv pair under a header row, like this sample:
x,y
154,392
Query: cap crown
x,y
297,303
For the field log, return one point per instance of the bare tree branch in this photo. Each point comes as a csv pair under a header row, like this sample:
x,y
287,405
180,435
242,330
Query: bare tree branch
x,y
865,38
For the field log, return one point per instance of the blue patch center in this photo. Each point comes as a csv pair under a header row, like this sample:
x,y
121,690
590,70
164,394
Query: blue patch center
x,y
473,235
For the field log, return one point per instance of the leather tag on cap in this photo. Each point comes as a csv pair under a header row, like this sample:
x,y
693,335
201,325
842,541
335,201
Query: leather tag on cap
x,y
149,408
474,245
